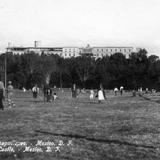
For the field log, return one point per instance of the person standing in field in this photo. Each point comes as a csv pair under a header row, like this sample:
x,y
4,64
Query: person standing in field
x,y
115,91
147,90
47,93
2,94
10,95
104,94
35,91
55,96
24,90
100,95
121,90
74,91
91,97
74,95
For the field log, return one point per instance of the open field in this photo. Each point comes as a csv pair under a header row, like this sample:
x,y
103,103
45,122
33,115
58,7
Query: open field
x,y
121,128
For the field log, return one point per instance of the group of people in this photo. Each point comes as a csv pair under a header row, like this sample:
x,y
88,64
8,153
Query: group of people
x,y
48,95
47,91
116,90
100,93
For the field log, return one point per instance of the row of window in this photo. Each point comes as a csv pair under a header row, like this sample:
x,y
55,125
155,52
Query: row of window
x,y
70,55
70,50
113,50
100,55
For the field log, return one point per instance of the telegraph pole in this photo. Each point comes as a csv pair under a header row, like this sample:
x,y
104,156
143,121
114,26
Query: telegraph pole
x,y
5,74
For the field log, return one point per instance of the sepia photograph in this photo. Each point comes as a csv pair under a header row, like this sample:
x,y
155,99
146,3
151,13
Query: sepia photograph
x,y
79,80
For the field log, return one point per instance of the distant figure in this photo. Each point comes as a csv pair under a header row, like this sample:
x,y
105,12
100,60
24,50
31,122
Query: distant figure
x,y
2,94
78,92
100,95
115,91
104,94
24,90
134,93
121,90
140,89
35,91
91,97
55,96
147,90
153,91
74,91
48,93
10,95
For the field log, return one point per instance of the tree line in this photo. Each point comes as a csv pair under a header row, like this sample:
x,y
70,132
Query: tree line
x,y
139,70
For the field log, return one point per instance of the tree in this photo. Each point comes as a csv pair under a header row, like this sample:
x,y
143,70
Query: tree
x,y
47,66
152,59
138,64
85,68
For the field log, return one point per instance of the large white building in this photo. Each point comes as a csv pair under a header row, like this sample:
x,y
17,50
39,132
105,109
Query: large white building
x,y
68,52
99,52
38,50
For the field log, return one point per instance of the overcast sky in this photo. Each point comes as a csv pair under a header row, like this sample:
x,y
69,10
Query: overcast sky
x,y
79,22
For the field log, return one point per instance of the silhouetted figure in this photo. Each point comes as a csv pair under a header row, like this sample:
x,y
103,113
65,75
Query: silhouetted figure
x,y
74,91
47,93
121,90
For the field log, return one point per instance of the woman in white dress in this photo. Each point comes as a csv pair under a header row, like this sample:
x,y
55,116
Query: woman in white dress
x,y
100,96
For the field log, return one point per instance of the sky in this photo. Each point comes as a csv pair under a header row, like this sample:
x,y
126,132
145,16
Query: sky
x,y
60,23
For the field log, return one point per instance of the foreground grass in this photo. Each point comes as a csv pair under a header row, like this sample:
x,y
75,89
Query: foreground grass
x,y
120,128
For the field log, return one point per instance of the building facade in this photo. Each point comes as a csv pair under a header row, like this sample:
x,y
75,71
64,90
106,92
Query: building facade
x,y
99,52
38,50
86,51
69,52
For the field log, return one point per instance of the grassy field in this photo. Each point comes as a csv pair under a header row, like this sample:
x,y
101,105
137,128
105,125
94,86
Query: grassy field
x,y
121,128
